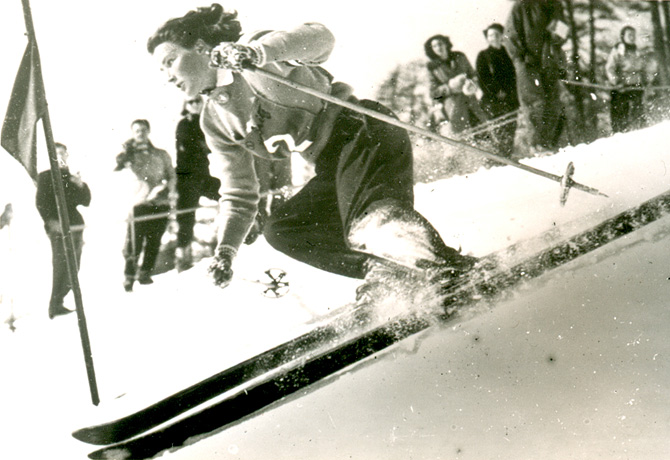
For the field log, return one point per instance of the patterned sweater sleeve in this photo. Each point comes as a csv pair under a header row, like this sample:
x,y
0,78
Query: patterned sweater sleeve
x,y
308,44
239,189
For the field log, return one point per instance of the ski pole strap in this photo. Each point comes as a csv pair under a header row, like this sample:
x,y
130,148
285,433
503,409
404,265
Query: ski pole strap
x,y
409,127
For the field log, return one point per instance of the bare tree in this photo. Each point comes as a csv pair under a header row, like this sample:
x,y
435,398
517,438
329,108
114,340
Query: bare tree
x,y
660,42
592,41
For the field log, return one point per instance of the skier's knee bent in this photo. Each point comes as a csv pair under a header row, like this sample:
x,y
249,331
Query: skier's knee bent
x,y
395,231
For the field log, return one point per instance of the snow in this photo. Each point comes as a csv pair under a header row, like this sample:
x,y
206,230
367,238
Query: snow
x,y
571,365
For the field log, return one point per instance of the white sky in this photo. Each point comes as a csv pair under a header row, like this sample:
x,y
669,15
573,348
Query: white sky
x,y
99,77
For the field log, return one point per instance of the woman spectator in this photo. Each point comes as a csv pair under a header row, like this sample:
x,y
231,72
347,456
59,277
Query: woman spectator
x,y
452,84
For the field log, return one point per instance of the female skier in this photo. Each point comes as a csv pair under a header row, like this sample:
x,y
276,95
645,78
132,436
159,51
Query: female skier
x,y
361,199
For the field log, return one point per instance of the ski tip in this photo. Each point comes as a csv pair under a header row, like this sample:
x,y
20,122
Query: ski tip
x,y
111,453
91,436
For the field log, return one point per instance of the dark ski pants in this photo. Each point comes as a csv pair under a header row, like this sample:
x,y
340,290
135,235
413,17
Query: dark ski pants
x,y
61,285
539,95
627,110
366,163
148,234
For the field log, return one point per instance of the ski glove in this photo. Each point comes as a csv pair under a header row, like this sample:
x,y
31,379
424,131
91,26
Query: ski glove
x,y
221,269
469,87
233,56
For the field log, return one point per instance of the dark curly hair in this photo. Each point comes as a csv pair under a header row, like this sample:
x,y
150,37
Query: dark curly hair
x,y
211,24
428,47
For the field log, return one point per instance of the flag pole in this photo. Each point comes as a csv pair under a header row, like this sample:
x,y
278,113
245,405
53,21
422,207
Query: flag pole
x,y
62,214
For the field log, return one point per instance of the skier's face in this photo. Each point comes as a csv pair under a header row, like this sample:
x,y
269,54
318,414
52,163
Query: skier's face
x,y
440,48
494,38
187,69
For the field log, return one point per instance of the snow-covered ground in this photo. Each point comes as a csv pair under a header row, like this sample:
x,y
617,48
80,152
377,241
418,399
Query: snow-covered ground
x,y
573,365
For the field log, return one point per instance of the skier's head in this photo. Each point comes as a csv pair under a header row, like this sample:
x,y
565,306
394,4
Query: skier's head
x,y
494,35
628,35
182,45
438,47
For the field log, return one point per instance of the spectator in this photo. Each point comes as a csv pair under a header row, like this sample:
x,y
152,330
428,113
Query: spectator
x,y
6,217
535,33
153,169
626,71
364,176
76,193
193,178
498,82
452,85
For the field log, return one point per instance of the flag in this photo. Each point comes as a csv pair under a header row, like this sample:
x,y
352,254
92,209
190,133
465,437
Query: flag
x,y
27,105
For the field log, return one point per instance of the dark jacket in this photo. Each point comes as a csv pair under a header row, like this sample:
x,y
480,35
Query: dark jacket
x,y
75,195
192,148
193,177
527,35
441,71
497,80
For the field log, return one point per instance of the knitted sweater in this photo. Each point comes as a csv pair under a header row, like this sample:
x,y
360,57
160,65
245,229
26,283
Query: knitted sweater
x,y
248,114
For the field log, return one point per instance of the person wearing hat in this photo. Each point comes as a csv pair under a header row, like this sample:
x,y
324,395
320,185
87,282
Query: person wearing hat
x,y
497,78
452,84
625,71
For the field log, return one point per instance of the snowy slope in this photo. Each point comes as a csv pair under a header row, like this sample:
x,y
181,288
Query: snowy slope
x,y
487,374
575,366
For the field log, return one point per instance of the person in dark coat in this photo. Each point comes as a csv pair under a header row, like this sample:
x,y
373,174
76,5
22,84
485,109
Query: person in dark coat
x,y
497,79
535,33
76,193
193,178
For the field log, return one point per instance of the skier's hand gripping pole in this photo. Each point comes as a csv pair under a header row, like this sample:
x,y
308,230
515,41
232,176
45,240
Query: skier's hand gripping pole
x,y
247,65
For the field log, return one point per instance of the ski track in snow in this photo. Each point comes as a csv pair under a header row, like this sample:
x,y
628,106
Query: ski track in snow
x,y
164,337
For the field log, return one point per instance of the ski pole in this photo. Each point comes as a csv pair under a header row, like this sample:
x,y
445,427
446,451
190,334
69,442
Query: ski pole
x,y
424,132
618,88
492,125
